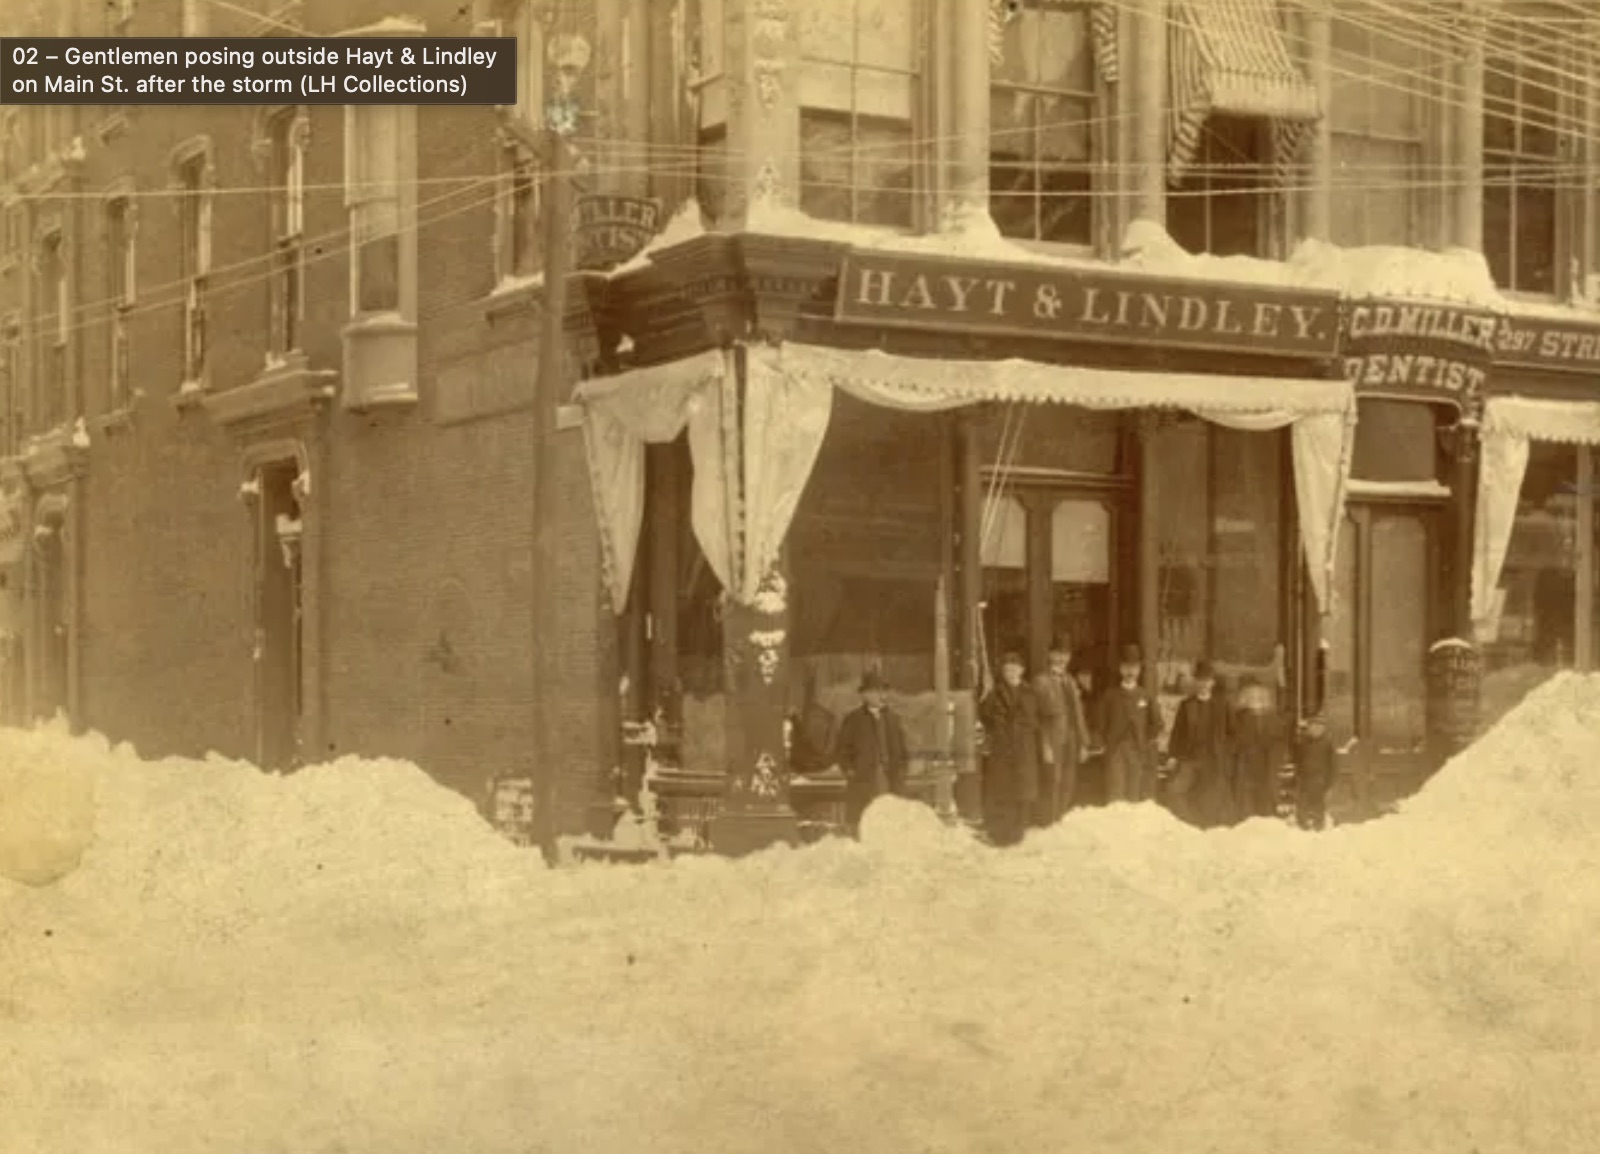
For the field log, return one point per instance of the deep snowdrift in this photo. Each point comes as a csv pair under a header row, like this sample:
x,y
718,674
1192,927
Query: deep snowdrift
x,y
347,961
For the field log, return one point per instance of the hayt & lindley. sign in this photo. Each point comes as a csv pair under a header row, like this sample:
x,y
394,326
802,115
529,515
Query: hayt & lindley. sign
x,y
900,291
1416,351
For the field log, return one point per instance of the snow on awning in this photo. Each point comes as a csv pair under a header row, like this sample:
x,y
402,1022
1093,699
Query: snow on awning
x,y
1230,56
1559,422
916,382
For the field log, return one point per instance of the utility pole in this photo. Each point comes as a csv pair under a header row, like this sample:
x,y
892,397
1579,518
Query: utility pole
x,y
549,392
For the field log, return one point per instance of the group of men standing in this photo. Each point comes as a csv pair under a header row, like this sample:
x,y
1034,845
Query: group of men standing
x,y
1221,765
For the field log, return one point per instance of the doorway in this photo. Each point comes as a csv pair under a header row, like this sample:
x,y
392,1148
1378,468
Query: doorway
x,y
1050,571
1386,613
279,634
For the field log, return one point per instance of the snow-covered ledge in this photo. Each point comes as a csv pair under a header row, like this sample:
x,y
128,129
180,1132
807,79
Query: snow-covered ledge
x,y
286,390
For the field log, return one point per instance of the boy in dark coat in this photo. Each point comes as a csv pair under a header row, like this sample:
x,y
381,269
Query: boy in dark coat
x,y
1063,736
1201,747
1313,773
871,750
1129,723
1010,717
1261,748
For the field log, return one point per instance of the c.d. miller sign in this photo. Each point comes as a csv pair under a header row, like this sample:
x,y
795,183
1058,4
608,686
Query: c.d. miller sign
x,y
1076,304
1423,352
610,230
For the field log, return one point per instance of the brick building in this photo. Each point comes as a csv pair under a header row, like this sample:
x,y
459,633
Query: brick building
x,y
269,375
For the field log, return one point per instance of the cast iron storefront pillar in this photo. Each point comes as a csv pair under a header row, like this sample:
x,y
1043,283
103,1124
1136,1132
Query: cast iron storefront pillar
x,y
755,643
1149,423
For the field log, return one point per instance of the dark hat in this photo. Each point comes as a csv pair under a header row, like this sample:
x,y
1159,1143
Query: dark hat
x,y
871,680
1130,655
1061,645
1012,657
1250,681
1204,671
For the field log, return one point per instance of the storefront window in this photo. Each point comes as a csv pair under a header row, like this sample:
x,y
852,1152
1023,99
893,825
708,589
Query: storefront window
x,y
1399,606
1535,606
1218,495
1396,441
866,556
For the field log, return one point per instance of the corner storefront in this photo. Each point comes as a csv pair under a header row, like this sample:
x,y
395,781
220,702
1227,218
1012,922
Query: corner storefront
x,y
904,462
1534,579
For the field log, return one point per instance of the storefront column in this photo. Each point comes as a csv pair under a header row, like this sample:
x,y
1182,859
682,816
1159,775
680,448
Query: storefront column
x,y
1318,223
762,57
969,73
1468,134
1583,582
1463,489
1150,110
755,811
969,565
1149,565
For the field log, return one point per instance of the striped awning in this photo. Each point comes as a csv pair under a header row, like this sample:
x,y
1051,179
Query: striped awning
x,y
1230,56
1102,31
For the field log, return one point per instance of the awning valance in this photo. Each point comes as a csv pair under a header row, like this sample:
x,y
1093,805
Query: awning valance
x,y
920,383
1559,422
1230,56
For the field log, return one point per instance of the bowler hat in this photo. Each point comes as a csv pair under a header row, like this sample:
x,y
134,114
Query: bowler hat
x,y
871,680
1012,657
1061,645
1204,671
1130,655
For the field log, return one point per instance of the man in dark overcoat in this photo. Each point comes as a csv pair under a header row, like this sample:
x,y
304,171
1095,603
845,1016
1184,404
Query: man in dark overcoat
x,y
871,750
1129,727
1201,747
1010,718
1064,734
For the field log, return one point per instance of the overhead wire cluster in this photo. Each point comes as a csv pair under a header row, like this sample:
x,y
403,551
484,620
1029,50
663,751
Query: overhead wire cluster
x,y
1552,59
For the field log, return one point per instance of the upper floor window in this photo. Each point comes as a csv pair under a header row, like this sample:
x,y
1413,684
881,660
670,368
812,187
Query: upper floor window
x,y
286,141
518,238
1530,123
12,158
194,258
1379,103
376,140
860,86
1242,108
121,277
527,26
1044,128
11,404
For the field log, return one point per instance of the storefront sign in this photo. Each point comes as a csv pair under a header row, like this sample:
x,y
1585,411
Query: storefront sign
x,y
1418,352
1559,346
611,230
947,295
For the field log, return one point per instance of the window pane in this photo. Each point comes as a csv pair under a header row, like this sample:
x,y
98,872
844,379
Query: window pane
x,y
1535,223
1246,541
1537,591
1183,501
1395,441
856,170
1499,235
1053,437
378,275
1399,631
1045,48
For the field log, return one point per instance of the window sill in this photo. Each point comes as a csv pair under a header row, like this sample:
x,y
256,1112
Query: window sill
x,y
112,127
512,295
120,419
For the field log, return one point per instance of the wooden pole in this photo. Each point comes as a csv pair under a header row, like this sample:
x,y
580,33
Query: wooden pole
x,y
548,390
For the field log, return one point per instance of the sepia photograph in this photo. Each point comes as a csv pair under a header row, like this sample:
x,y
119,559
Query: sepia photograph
x,y
797,576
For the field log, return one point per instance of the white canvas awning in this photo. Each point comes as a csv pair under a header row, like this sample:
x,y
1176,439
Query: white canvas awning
x,y
788,402
1510,425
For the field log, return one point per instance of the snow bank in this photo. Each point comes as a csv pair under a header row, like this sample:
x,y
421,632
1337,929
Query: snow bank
x,y
346,960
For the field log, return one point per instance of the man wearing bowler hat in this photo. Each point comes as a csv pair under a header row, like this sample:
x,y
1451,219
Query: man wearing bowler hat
x,y
1064,736
1129,725
1010,717
871,750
